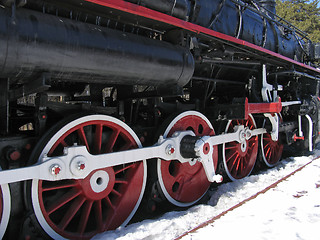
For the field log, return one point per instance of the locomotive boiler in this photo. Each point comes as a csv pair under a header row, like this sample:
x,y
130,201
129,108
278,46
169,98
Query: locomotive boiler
x,y
117,110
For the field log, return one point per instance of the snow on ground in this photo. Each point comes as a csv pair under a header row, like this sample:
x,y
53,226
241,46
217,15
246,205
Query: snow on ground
x,y
289,211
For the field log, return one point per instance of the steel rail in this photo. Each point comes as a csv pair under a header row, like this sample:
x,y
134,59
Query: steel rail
x,y
272,186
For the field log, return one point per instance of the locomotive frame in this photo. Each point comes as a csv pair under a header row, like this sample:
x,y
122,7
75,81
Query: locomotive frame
x,y
108,106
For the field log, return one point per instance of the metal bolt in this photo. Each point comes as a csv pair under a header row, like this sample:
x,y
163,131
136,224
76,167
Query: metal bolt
x,y
160,140
55,169
175,134
81,166
206,148
170,149
65,151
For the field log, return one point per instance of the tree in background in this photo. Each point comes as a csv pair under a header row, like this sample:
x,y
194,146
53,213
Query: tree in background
x,y
303,14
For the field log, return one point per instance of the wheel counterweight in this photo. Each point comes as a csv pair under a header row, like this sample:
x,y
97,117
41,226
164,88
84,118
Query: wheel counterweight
x,y
238,159
106,198
181,183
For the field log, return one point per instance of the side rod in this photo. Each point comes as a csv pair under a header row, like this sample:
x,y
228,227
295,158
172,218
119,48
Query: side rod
x,y
78,163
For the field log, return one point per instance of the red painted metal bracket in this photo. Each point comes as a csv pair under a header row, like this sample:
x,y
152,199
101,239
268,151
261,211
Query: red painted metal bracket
x,y
295,137
254,108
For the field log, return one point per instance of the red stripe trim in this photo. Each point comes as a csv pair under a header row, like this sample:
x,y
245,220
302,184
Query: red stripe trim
x,y
161,17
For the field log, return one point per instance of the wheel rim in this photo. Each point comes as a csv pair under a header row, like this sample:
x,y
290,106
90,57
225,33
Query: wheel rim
x,y
106,198
5,208
239,158
271,150
181,183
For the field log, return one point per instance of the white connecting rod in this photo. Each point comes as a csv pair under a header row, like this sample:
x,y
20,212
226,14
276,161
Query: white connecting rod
x,y
78,163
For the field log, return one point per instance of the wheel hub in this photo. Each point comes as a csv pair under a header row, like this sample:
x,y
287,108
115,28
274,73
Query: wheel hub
x,y
98,184
99,181
239,157
244,146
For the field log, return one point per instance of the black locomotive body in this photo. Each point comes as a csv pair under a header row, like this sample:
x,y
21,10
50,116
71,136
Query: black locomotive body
x,y
115,107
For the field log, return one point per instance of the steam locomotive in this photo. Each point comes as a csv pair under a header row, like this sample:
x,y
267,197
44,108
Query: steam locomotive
x,y
115,109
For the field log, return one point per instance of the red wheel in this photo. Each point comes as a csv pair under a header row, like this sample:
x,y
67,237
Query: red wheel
x,y
5,207
106,198
239,158
271,150
181,183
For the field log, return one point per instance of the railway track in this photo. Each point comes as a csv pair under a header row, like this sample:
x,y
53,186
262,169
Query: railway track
x,y
240,204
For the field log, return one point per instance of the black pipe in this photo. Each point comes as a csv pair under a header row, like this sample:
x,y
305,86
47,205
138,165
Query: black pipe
x,y
33,43
176,8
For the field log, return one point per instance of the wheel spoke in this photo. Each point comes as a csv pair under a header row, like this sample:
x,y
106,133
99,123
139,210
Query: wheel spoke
x,y
124,168
112,140
234,166
267,152
267,145
60,185
85,217
83,138
98,214
252,142
122,181
127,146
116,192
274,152
61,142
267,137
63,200
109,203
73,209
231,146
235,158
270,153
241,164
238,163
98,139
235,153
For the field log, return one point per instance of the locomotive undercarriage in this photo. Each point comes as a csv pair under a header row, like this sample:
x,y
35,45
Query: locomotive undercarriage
x,y
80,153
